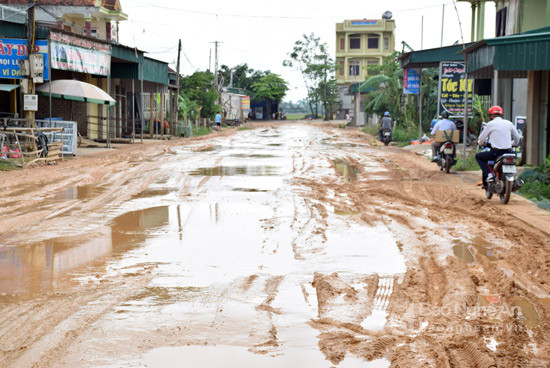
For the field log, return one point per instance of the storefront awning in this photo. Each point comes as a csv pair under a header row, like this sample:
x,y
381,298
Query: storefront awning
x,y
431,58
512,55
8,87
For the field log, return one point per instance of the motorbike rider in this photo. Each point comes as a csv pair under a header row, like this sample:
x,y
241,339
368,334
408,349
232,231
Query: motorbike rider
x,y
500,133
443,124
385,124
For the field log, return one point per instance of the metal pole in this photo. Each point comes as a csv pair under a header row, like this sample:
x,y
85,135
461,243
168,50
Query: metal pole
x,y
465,132
422,35
442,24
50,76
420,109
109,111
141,104
133,112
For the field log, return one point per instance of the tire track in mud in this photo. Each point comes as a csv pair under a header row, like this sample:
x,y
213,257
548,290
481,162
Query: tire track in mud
x,y
270,341
442,288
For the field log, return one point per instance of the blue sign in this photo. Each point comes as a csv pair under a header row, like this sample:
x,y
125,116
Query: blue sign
x,y
12,50
363,22
411,82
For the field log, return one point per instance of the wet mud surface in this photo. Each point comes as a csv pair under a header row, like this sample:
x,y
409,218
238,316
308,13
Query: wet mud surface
x,y
282,246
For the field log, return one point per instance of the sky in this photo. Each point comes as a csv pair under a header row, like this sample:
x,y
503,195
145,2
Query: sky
x,y
262,33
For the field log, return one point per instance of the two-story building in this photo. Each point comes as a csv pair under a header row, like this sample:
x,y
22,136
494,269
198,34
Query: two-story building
x,y
359,43
89,28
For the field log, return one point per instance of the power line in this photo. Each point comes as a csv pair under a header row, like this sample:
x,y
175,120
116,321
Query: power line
x,y
217,14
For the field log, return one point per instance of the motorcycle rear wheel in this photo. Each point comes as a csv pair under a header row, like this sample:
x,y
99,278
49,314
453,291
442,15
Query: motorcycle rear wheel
x,y
506,192
447,165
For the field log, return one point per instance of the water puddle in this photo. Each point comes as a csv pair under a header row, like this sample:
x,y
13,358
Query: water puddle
x,y
275,144
250,190
479,245
244,155
236,171
150,193
527,311
82,193
462,252
37,267
240,357
345,170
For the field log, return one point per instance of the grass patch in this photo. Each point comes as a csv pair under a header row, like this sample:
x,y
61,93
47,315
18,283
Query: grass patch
x,y
9,165
244,128
471,163
202,131
401,136
295,116
537,184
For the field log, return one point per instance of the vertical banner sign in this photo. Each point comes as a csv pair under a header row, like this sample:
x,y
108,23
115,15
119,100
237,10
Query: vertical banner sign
x,y
12,50
80,55
452,88
245,102
411,82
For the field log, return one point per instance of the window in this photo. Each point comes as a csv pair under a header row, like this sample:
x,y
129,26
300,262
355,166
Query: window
x,y
355,41
372,62
386,43
342,44
372,41
354,67
342,68
500,23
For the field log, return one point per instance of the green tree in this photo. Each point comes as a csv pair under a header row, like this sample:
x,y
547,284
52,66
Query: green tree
x,y
199,89
386,82
310,57
270,88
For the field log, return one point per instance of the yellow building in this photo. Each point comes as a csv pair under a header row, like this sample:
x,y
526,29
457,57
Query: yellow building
x,y
359,43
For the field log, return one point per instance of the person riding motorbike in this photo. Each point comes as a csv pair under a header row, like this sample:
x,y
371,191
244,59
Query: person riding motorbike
x,y
385,124
500,133
443,124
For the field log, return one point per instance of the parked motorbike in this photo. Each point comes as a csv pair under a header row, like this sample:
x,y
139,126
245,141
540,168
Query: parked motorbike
x,y
505,177
470,136
386,136
447,156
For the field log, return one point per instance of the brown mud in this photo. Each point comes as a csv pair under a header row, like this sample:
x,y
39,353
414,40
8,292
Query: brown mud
x,y
475,292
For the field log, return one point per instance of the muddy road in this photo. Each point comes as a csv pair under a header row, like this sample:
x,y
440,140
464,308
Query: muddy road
x,y
292,245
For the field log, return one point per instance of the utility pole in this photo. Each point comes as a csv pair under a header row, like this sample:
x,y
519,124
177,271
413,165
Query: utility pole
x,y
30,115
216,80
175,105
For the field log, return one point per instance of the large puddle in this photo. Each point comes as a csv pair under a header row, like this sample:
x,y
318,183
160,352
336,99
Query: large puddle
x,y
234,260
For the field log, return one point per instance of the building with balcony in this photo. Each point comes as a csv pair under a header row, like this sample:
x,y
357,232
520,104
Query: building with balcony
x,y
359,43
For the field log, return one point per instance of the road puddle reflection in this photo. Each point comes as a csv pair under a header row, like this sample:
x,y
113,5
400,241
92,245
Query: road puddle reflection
x,y
347,171
39,267
239,357
236,171
527,312
83,192
462,252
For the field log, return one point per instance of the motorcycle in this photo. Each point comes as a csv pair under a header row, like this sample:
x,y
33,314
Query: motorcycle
x,y
447,156
386,136
470,137
505,177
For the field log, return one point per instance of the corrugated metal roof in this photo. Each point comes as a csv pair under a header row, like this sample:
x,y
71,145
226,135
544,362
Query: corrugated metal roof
x,y
155,71
526,51
431,58
8,14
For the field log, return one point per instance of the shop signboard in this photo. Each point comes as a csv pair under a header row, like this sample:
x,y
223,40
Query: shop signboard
x,y
245,102
411,82
80,55
452,87
12,50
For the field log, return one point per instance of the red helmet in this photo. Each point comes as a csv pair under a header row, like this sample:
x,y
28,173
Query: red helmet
x,y
496,110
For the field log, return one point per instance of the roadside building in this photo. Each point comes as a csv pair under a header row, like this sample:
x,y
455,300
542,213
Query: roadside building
x,y
517,64
359,43
89,30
